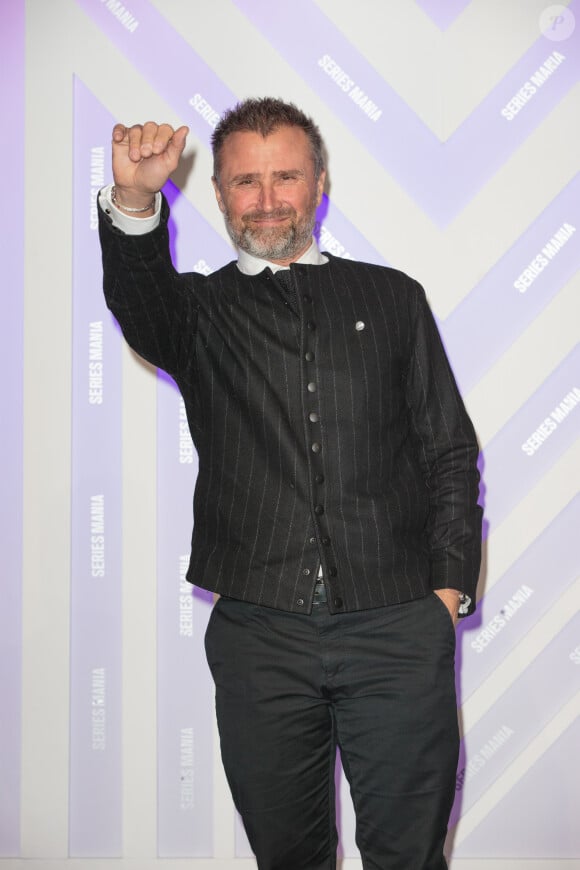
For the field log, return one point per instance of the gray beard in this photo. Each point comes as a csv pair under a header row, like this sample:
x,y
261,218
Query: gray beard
x,y
276,243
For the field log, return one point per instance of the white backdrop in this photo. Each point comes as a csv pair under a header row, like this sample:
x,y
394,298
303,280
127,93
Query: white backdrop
x,y
452,129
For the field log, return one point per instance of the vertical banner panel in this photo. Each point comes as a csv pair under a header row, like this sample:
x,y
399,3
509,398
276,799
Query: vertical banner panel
x,y
96,653
185,690
11,372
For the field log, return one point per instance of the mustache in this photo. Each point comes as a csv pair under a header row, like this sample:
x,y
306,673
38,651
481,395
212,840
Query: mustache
x,y
276,214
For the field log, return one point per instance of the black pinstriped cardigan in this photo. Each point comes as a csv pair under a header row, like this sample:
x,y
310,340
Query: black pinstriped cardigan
x,y
330,430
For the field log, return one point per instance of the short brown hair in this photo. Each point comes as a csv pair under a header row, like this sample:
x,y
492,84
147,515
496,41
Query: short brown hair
x,y
264,115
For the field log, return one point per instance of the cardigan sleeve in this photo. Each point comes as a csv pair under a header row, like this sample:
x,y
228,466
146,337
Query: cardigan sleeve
x,y
448,452
154,305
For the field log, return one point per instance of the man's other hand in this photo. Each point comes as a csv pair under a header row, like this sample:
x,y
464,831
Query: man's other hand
x,y
450,598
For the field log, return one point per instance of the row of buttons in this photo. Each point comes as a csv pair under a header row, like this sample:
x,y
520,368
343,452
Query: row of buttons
x,y
285,279
316,448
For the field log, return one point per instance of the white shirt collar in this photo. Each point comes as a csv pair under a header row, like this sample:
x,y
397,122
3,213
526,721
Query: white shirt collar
x,y
250,265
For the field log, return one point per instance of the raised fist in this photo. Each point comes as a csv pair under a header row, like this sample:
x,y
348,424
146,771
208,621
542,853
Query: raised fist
x,y
144,156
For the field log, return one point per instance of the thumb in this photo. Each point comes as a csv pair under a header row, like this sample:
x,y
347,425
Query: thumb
x,y
177,143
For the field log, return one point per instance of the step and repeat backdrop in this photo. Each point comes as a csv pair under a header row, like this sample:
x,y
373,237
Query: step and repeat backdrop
x,y
452,130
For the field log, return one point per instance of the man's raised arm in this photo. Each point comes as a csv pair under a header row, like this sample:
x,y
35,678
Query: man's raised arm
x,y
151,302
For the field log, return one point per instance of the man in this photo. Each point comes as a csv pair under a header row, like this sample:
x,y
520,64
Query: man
x,y
335,509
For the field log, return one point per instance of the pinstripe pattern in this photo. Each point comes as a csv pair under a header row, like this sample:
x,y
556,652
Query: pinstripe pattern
x,y
382,489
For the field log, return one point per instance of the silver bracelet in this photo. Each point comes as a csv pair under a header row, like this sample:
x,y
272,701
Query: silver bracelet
x,y
126,208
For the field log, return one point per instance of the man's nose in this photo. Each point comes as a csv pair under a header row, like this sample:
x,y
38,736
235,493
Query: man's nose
x,y
268,197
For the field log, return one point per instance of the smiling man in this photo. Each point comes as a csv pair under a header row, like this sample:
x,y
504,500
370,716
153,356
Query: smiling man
x,y
269,212
335,509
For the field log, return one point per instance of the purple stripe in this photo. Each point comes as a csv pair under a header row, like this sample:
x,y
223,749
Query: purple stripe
x,y
475,337
11,364
96,643
185,691
525,709
443,12
509,470
441,177
518,600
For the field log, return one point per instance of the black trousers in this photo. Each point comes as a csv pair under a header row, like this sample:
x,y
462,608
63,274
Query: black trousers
x,y
380,684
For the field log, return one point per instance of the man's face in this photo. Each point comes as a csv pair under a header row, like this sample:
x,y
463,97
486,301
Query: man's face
x,y
268,193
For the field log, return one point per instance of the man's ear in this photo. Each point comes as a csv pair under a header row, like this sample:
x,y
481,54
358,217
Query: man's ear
x,y
320,186
218,195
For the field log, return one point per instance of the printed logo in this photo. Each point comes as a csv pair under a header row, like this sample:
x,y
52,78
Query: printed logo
x,y
557,23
